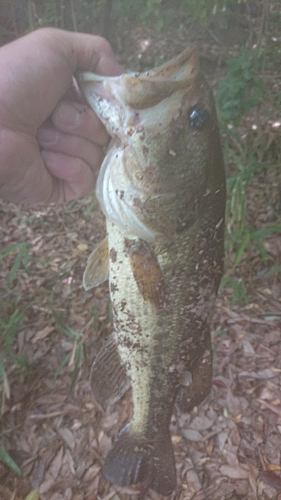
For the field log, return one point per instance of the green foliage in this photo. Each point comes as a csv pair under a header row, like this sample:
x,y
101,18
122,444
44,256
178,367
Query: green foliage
x,y
4,384
77,357
21,258
67,14
9,327
199,10
10,323
241,89
239,294
7,460
141,9
12,316
95,316
239,232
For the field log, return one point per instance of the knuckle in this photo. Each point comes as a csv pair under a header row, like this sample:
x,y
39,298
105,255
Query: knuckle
x,y
104,45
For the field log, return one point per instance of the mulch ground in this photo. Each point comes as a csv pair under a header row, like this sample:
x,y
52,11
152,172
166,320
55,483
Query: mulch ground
x,y
59,437
228,448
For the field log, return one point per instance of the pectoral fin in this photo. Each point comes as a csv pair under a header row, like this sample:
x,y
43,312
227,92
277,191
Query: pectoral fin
x,y
108,375
96,271
147,272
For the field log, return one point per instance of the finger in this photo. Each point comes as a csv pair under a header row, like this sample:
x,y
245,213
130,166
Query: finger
x,y
94,55
51,139
77,118
40,78
77,178
81,51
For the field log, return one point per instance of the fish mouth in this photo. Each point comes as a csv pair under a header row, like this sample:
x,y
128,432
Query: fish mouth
x,y
142,90
131,100
138,110
102,84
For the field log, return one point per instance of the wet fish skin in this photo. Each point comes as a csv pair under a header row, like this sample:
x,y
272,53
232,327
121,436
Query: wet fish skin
x,y
162,189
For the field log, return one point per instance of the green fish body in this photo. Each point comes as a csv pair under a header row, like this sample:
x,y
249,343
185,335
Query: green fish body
x,y
162,190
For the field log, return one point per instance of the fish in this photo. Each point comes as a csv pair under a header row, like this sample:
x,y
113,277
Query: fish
x,y
161,188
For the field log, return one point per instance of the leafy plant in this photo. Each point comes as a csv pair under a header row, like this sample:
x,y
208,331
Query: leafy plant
x,y
142,9
239,295
21,258
199,10
63,14
12,315
239,232
95,316
9,326
11,319
77,357
241,89
7,460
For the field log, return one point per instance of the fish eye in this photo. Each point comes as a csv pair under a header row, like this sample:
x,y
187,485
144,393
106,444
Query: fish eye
x,y
198,118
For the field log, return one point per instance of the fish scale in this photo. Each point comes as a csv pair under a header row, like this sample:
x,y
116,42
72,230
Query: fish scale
x,y
135,320
162,190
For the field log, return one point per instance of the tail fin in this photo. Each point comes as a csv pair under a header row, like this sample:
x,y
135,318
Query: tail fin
x,y
134,459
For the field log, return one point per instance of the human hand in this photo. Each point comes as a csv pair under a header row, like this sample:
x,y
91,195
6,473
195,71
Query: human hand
x,y
51,145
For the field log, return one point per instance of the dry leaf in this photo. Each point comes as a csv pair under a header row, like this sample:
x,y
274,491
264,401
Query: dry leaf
x,y
253,474
56,464
6,386
176,439
270,478
82,247
234,472
42,333
222,437
248,348
109,496
262,374
273,467
91,473
33,495
67,436
192,435
201,423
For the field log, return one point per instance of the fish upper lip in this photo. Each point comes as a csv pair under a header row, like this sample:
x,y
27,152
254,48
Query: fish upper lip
x,y
139,91
88,76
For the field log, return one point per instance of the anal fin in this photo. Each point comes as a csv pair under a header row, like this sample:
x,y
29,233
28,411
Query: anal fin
x,y
108,375
96,271
134,459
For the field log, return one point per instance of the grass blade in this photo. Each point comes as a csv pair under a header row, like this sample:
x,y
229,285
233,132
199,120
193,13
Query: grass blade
x,y
7,460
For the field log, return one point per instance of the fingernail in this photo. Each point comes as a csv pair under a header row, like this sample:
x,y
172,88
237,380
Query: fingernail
x,y
69,116
48,136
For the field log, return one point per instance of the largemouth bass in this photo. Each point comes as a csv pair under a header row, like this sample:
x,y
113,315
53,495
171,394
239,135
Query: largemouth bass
x,y
162,190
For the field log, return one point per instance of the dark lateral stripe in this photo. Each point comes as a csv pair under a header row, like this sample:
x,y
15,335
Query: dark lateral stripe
x,y
147,272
